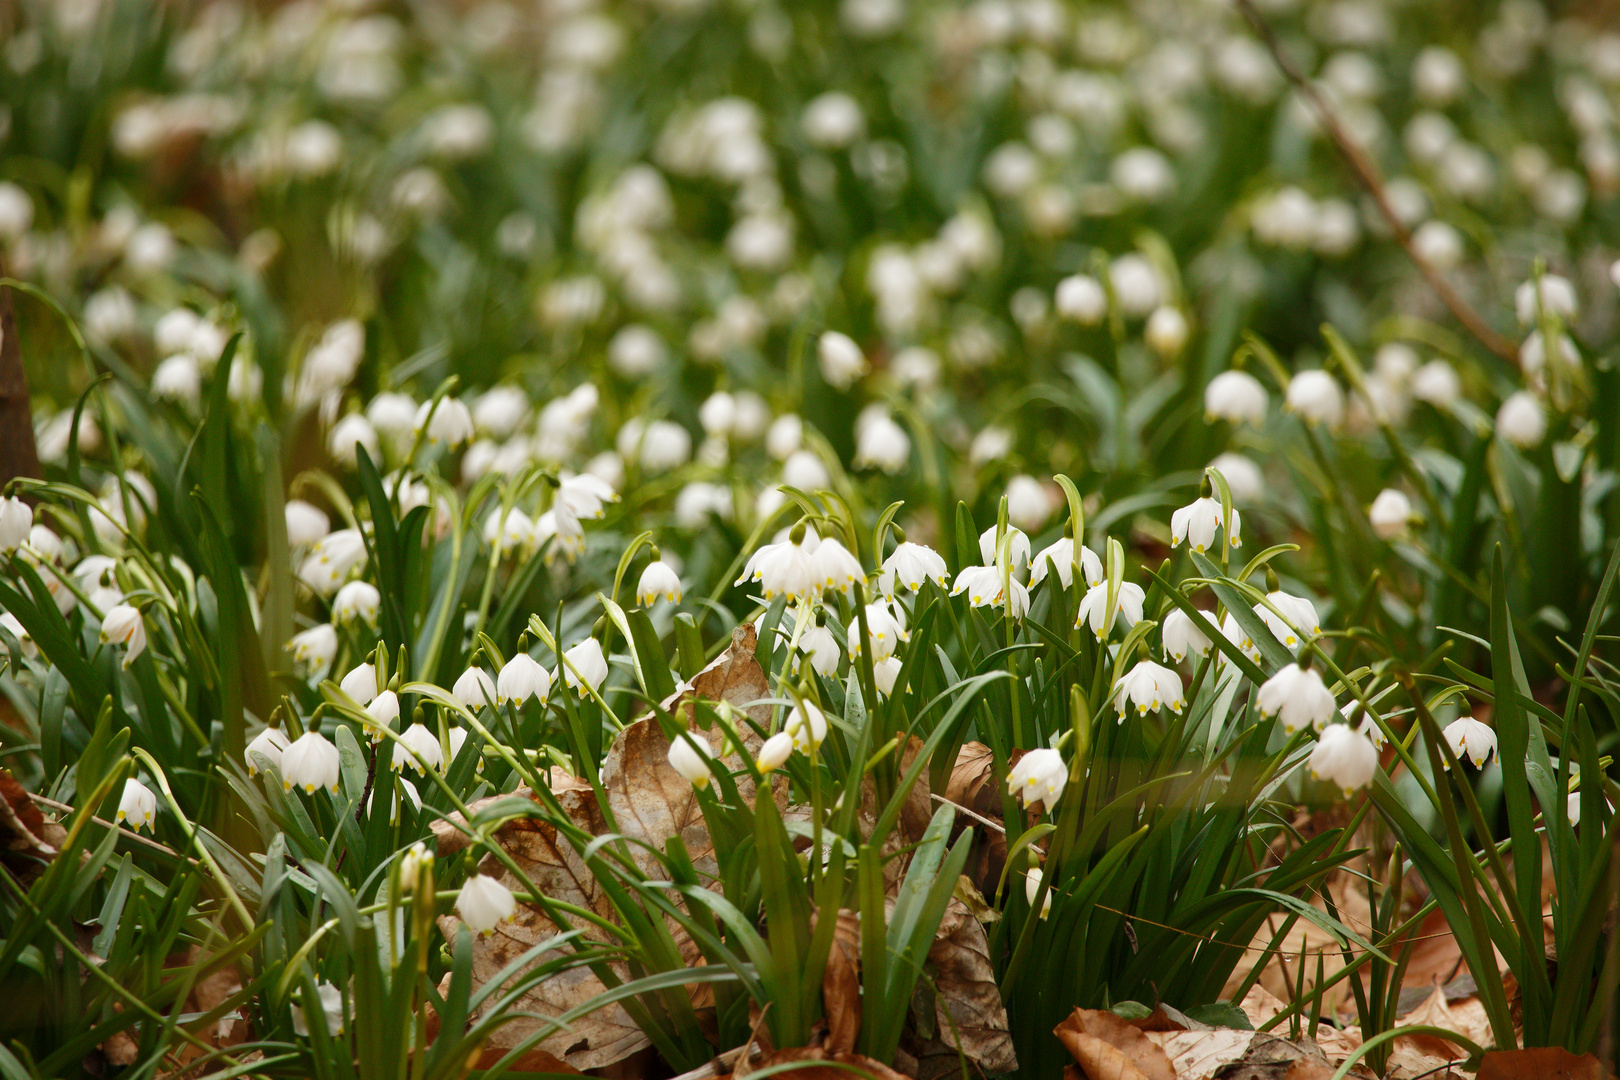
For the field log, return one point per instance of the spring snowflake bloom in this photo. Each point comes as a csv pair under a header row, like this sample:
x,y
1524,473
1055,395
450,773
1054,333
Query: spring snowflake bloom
x,y
1183,635
498,411
1196,523
1344,757
1522,421
361,683
1028,504
268,744
1469,738
1038,779
1298,618
1095,610
885,673
1436,382
331,1007
1032,889
833,567
882,444
586,496
351,431
806,725
1166,332
137,805
123,625
1390,513
1062,556
314,648
474,688
821,647
483,903
332,559
401,784
306,524
427,749
1017,547
909,565
1316,398
886,631
309,763
983,585
521,678
587,658
658,580
774,754
449,421
1149,687
1236,396
178,379
689,755
785,568
841,360
16,522
1081,297
1557,298
1298,697
1233,632
356,600
383,711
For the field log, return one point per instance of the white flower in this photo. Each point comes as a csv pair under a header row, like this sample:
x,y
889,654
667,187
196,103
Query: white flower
x,y
1316,398
310,762
1233,632
689,755
833,567
1094,607
806,725
1298,618
1032,889
586,496
348,432
1197,521
1062,556
784,436
587,658
1298,697
449,421
775,752
1137,284
885,630
383,710
138,806
498,411
983,585
306,524
1028,504
1166,331
483,903
1017,547
881,443
1390,513
356,600
314,648
1522,421
393,415
660,445
1557,298
1081,297
16,521
426,745
1149,687
1344,757
361,683
178,378
821,647
458,739
331,362
521,678
1236,396
268,744
785,568
123,625
885,673
1038,779
1182,634
658,580
841,360
909,565
833,121
331,1003
401,784
508,530
332,560
1469,738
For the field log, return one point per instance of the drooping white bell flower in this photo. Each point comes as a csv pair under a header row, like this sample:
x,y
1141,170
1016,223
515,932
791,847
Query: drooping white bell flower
x,y
785,569
1390,513
775,752
351,431
840,359
484,903
1149,687
819,645
1032,889
1469,738
521,678
833,567
357,600
806,725
885,673
587,659
309,763
1061,554
1017,547
658,580
361,683
586,495
882,444
909,565
1235,396
332,559
983,585
178,379
1296,624
393,415
1038,779
1182,634
401,784
1197,521
885,630
137,805
383,710
306,524
1081,297
690,755
1298,697
1436,382
1316,398
331,1006
426,746
449,421
1344,757
1029,505
1557,297
1166,331
498,411
1522,420
268,744
314,649
1233,631
123,625
1094,607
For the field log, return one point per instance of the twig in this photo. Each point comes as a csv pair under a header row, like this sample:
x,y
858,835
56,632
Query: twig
x,y
52,804
982,820
1367,172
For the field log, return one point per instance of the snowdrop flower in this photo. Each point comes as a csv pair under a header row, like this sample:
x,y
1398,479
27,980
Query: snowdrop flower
x,y
841,360
585,495
806,725
689,755
1235,396
393,415
1149,687
332,559
1094,607
123,625
1243,477
1081,297
1166,332
383,710
991,444
509,530
1316,398
1028,504
983,585
658,580
1017,547
909,565
775,752
1469,738
819,645
1390,513
885,673
351,431
498,411
587,659
401,784
885,630
310,762
1345,757
361,683
474,689
178,379
1234,633
483,903
137,805
1197,521
833,567
458,739
314,648
1062,556
833,121
306,524
1032,889
1436,382
356,600
1137,285
1298,618
42,546
1298,697
1038,779
1557,298
784,437
449,422
16,522
882,444
16,629
1182,634
268,744
331,1005
521,678
426,747
1522,421
660,445
785,569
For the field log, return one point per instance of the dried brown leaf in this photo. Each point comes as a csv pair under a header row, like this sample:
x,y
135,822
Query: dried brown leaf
x,y
1100,1060
1436,1011
1085,1027
815,1065
1199,1055
968,1016
734,677
841,984
28,842
1541,1063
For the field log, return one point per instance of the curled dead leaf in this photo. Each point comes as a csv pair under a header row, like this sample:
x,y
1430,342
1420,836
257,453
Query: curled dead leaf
x,y
841,984
1541,1063
818,1063
1106,1045
28,842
